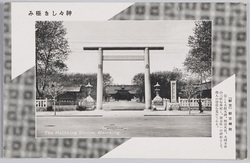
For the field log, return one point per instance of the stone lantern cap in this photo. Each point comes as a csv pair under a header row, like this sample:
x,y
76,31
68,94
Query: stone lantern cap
x,y
89,85
157,85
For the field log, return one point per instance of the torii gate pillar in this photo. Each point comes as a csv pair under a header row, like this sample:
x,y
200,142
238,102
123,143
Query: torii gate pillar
x,y
99,80
147,80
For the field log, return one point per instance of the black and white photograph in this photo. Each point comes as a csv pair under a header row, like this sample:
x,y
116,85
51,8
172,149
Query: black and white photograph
x,y
123,79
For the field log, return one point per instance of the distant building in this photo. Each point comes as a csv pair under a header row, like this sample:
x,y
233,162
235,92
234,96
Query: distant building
x,y
122,92
70,97
116,93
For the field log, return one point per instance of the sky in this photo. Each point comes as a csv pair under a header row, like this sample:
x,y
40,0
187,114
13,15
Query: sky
x,y
172,35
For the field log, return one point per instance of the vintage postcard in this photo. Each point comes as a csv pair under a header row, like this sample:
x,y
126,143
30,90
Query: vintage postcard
x,y
116,79
164,79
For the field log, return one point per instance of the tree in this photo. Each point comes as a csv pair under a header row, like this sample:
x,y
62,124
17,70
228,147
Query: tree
x,y
163,78
54,90
80,80
138,79
52,50
189,89
198,60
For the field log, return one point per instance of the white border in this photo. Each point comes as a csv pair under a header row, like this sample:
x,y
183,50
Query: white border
x,y
176,1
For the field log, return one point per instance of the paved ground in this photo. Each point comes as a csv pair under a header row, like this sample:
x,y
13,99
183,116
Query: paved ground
x,y
129,124
119,126
124,122
123,105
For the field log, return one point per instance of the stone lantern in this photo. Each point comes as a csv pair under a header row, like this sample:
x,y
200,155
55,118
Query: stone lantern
x,y
157,100
89,101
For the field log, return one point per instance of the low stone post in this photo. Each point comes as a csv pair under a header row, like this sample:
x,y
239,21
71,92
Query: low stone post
x,y
165,104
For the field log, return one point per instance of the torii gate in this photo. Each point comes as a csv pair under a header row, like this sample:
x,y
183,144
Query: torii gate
x,y
102,58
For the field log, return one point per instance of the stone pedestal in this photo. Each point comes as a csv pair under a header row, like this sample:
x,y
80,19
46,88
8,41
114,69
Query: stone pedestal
x,y
89,102
157,101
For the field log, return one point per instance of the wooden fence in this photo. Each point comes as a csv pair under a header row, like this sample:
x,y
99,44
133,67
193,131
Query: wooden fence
x,y
42,103
206,102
